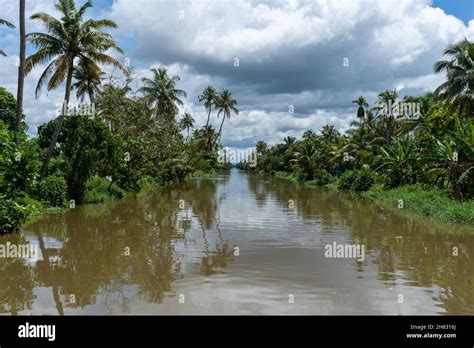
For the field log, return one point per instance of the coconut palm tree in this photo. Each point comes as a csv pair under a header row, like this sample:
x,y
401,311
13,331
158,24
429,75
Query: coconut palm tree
x,y
9,25
458,90
205,138
305,158
289,141
88,81
362,103
261,147
208,96
187,122
161,92
69,38
309,135
329,134
386,119
226,105
21,70
362,147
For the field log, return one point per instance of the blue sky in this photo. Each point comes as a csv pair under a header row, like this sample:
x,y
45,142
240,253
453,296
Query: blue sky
x,y
462,9
290,53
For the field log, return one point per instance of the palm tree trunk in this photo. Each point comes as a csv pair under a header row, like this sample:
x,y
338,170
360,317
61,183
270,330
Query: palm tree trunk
x,y
220,130
21,71
208,117
59,124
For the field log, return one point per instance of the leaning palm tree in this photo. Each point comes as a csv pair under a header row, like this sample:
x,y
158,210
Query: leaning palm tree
x,y
161,92
209,96
226,106
68,38
458,90
187,122
88,80
9,25
362,103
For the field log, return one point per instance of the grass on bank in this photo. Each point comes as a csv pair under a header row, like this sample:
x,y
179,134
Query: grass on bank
x,y
426,201
420,199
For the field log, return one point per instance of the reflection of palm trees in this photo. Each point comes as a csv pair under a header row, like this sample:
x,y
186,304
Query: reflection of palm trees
x,y
51,273
214,262
397,252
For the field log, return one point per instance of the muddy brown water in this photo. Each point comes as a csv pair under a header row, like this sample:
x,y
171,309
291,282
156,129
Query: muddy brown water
x,y
238,244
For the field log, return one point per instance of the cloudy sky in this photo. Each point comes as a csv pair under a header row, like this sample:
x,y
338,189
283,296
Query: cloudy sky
x,y
313,56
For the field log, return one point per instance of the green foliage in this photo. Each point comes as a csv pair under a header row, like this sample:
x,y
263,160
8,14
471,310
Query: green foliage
x,y
7,108
398,162
323,177
346,180
12,215
21,168
363,181
99,190
356,180
88,148
53,190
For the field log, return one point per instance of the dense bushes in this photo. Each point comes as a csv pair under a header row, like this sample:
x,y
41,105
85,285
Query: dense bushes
x,y
355,180
53,190
346,180
12,214
99,190
322,177
363,181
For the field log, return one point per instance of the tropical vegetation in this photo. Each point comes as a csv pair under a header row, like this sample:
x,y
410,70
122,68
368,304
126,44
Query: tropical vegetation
x,y
399,145
115,140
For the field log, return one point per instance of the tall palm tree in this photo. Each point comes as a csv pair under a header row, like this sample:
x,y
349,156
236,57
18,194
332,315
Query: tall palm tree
x,y
226,105
458,90
362,103
21,69
386,119
209,96
187,122
161,92
9,25
68,38
88,80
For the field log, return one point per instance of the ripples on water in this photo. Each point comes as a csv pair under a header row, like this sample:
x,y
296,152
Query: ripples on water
x,y
140,255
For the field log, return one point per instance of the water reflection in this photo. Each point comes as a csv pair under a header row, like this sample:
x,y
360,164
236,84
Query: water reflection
x,y
140,254
405,249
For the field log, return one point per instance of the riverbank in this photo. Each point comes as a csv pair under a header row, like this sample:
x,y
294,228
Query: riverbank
x,y
426,201
419,199
99,191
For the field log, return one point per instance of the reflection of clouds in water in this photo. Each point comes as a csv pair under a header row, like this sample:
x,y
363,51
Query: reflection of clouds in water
x,y
190,251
